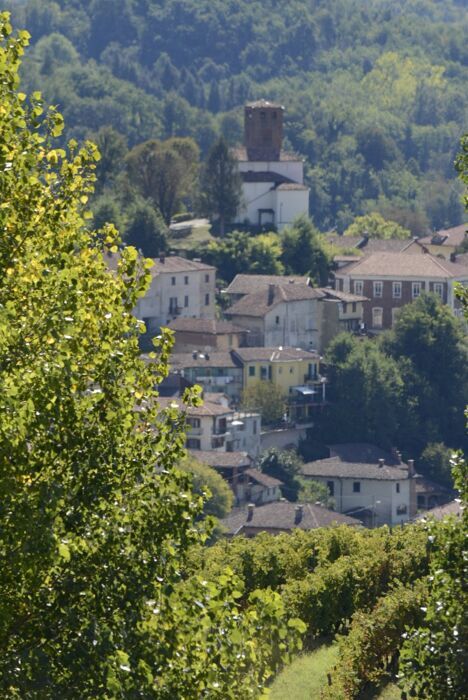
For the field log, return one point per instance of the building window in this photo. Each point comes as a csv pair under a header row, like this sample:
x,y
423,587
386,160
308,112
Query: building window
x,y
186,279
207,299
395,313
194,422
254,429
397,486
193,444
402,509
173,305
356,487
251,371
331,487
416,290
378,289
207,278
377,317
263,372
277,320
173,281
439,289
354,305
358,286
186,301
344,307
397,290
217,442
291,370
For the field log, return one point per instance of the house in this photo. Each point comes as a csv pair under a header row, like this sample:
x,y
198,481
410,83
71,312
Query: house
x,y
454,509
213,371
391,280
285,314
205,334
379,491
215,426
339,312
296,372
273,190
247,483
179,288
446,241
429,494
249,284
282,516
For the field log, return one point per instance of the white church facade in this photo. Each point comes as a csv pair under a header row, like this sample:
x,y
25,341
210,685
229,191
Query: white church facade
x,y
273,190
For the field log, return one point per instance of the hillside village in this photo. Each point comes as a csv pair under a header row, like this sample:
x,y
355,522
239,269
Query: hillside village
x,y
275,330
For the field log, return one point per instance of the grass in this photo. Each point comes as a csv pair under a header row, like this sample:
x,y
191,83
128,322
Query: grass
x,y
306,676
198,237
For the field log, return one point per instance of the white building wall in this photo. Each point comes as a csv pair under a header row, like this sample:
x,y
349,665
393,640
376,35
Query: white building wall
x,y
246,437
376,495
289,205
255,196
156,302
298,325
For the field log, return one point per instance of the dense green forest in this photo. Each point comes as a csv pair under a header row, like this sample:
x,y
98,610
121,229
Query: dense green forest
x,y
374,90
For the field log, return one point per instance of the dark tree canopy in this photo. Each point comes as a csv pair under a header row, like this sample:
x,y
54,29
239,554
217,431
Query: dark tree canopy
x,y
220,185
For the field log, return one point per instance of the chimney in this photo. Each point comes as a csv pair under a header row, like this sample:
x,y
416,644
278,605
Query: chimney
x,y
250,511
453,257
162,257
194,355
297,514
396,454
411,467
207,355
381,463
271,294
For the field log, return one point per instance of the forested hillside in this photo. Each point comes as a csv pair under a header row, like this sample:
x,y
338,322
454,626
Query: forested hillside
x,y
374,90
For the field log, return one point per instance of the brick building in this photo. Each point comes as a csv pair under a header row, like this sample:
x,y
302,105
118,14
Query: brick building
x,y
391,280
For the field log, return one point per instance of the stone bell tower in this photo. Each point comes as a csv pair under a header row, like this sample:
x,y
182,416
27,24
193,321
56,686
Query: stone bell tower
x,y
263,130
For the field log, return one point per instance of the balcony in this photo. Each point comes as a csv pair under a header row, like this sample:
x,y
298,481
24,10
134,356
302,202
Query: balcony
x,y
175,310
193,432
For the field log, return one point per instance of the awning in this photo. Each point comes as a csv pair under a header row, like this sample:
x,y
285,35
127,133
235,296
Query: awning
x,y
304,390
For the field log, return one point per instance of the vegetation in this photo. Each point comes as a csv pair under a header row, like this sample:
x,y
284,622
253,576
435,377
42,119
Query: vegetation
x,y
96,523
407,388
374,94
284,465
266,398
306,676
220,185
206,482
375,226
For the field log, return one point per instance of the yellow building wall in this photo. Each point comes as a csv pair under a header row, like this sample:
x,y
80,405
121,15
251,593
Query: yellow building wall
x,y
283,374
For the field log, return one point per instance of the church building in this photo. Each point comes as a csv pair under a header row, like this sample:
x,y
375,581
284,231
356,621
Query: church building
x,y
272,180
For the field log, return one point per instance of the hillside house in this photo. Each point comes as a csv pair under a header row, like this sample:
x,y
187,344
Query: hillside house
x,y
179,288
206,335
367,483
391,280
285,315
249,284
446,241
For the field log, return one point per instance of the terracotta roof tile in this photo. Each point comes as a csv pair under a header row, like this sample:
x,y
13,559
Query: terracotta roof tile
x,y
260,303
395,265
282,515
275,354
246,284
204,325
222,460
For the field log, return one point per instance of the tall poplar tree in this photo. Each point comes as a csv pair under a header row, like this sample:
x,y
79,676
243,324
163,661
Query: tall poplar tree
x,y
95,521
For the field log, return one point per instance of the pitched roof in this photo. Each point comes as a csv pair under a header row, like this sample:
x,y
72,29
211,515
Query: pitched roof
x,y
181,360
450,236
453,508
264,176
209,408
175,263
280,354
247,284
264,103
395,265
282,515
264,479
260,303
222,460
333,467
205,326
371,245
337,294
